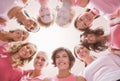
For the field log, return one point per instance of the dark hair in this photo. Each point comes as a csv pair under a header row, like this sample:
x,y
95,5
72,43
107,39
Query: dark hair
x,y
97,46
69,53
75,25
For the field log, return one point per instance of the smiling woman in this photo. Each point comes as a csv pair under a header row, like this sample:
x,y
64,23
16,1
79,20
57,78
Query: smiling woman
x,y
54,36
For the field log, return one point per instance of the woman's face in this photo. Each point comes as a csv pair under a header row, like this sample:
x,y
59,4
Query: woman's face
x,y
46,15
30,25
63,16
62,60
85,21
81,52
40,61
20,35
27,51
90,38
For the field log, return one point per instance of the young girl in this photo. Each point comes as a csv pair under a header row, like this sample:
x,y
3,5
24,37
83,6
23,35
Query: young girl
x,y
40,61
10,61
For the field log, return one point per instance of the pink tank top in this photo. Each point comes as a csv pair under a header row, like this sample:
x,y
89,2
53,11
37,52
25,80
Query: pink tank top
x,y
69,78
7,72
115,36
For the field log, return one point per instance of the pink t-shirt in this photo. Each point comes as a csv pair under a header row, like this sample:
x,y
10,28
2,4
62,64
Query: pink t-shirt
x,y
7,72
69,78
105,7
115,36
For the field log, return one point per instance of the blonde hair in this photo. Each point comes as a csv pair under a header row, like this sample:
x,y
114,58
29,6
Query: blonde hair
x,y
14,48
45,24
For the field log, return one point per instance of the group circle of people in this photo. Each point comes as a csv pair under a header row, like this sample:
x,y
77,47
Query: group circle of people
x,y
15,53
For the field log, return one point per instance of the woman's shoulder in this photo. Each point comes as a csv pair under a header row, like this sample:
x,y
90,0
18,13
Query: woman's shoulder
x,y
80,78
47,79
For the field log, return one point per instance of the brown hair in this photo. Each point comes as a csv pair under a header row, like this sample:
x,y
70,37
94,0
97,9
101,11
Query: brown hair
x,y
97,46
75,23
70,55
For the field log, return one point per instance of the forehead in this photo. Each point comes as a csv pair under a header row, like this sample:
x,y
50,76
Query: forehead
x,y
30,46
41,55
44,9
78,47
62,52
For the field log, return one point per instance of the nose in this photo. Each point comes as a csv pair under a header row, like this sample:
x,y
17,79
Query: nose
x,y
27,50
39,60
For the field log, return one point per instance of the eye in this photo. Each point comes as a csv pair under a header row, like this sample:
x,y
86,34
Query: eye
x,y
32,28
27,47
24,34
57,56
29,50
84,24
37,57
48,14
42,16
65,56
43,59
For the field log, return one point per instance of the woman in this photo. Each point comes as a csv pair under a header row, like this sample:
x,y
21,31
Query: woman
x,y
109,9
64,60
84,21
65,13
16,57
13,9
36,74
14,35
97,41
46,15
83,53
